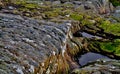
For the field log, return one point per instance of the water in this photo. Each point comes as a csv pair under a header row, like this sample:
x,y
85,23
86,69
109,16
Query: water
x,y
84,34
90,57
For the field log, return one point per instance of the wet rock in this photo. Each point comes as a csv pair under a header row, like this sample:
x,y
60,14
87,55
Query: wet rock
x,y
90,57
100,66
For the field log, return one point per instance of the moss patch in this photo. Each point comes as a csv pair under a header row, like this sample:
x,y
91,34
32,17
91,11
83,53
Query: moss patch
x,y
113,47
113,28
115,2
76,16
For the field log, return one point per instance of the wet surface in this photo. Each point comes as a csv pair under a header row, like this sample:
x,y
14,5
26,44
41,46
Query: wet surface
x,y
87,35
90,57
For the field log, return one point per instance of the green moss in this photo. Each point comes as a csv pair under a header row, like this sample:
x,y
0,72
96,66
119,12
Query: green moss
x,y
23,9
51,14
65,12
44,8
18,2
76,16
115,2
31,6
109,47
87,22
113,28
98,19
68,5
113,47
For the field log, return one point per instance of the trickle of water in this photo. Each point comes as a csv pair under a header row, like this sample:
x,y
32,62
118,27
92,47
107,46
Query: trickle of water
x,y
90,57
84,34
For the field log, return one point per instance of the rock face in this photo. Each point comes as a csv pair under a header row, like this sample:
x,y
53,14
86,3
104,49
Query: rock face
x,y
102,66
26,42
38,46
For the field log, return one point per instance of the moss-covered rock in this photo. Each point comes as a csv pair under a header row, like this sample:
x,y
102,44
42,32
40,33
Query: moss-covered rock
x,y
108,47
112,28
76,16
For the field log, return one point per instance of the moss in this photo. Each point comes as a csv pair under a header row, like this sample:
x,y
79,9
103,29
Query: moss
x,y
115,2
113,28
44,8
109,47
23,9
51,14
65,12
68,5
98,19
31,6
76,16
87,22
20,2
113,47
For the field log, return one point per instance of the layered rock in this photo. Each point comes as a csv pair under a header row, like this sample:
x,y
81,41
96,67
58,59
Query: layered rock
x,y
26,42
40,46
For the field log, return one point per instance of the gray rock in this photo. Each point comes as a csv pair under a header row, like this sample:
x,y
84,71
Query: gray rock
x,y
117,9
24,43
56,2
100,66
11,7
68,3
77,2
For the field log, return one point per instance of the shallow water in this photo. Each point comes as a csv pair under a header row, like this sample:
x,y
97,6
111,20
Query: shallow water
x,y
87,35
90,57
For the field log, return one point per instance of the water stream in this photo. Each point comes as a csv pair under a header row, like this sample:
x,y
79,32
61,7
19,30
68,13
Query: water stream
x,y
87,35
90,57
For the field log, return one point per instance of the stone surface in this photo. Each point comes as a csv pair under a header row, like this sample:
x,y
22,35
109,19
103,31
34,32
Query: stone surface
x,y
24,43
104,66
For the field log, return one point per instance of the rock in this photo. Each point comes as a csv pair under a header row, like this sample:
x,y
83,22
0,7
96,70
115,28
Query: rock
x,y
11,7
89,5
90,57
27,42
117,10
77,2
68,3
100,66
56,3
63,1
103,6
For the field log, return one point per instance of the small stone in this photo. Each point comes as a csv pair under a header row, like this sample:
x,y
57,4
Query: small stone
x,y
11,7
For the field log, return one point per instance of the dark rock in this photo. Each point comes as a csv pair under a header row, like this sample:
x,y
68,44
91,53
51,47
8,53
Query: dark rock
x,y
77,2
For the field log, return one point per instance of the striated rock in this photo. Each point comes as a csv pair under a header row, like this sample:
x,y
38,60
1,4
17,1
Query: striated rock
x,y
42,47
100,66
25,43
